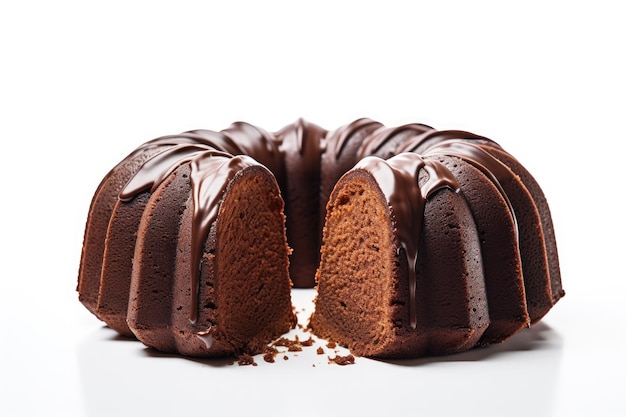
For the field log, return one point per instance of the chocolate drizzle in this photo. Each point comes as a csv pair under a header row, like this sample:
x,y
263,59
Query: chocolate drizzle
x,y
257,143
154,171
337,140
302,138
211,172
301,144
472,149
398,180
374,143
421,143
210,175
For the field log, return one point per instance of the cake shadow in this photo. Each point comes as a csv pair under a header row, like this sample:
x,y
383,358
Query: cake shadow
x,y
213,362
150,352
117,337
538,337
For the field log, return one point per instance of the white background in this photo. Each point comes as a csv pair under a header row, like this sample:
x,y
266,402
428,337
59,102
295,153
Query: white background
x,y
84,83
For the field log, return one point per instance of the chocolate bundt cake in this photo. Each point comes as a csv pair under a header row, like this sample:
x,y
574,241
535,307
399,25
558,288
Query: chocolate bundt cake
x,y
420,241
445,246
188,228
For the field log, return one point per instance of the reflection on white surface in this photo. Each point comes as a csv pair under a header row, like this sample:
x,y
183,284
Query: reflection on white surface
x,y
121,377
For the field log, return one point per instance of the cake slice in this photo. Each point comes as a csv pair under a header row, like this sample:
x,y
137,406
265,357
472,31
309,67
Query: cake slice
x,y
210,271
400,272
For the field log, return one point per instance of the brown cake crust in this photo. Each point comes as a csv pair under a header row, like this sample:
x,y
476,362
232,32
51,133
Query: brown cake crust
x,y
545,216
500,253
117,266
101,209
244,291
154,262
532,249
536,240
243,294
363,284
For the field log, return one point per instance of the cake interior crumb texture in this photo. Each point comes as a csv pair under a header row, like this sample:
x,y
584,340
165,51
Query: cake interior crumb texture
x,y
357,268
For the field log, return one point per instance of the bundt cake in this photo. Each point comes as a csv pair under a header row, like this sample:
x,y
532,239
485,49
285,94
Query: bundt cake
x,y
419,241
180,228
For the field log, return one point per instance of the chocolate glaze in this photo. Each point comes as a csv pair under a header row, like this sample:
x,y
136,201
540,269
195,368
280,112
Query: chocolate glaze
x,y
210,175
300,146
211,172
336,141
469,147
155,170
398,180
421,143
257,143
374,144
301,137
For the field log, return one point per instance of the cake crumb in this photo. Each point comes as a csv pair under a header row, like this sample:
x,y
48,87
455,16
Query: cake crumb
x,y
320,350
283,341
308,342
331,345
291,345
286,358
342,360
246,359
269,354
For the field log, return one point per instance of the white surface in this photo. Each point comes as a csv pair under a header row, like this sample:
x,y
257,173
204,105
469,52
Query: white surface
x,y
76,75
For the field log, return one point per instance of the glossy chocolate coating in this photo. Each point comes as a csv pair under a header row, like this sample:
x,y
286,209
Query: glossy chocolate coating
x,y
398,180
307,161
